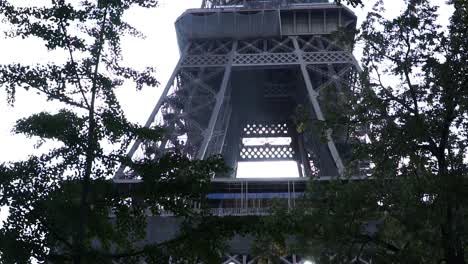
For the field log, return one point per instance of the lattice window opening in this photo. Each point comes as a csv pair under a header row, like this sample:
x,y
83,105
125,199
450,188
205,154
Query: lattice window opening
x,y
259,129
266,152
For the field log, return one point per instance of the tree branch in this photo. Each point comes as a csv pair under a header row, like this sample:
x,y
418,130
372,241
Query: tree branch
x,y
70,52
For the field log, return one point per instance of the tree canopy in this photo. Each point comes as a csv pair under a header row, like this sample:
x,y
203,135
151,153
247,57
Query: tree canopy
x,y
63,208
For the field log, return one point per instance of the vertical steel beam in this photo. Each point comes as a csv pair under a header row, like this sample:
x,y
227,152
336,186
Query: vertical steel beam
x,y
313,95
208,133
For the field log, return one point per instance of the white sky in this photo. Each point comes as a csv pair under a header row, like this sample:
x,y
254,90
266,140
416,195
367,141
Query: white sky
x,y
159,49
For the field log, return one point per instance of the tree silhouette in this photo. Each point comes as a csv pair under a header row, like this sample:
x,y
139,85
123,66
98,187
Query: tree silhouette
x,y
63,206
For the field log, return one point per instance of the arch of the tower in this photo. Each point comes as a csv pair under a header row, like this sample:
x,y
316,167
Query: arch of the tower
x,y
260,101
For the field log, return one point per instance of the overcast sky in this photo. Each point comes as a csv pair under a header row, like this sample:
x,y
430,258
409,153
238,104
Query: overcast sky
x,y
159,49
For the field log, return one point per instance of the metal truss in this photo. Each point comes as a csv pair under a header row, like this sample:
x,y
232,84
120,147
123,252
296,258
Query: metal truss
x,y
195,110
314,50
191,110
250,259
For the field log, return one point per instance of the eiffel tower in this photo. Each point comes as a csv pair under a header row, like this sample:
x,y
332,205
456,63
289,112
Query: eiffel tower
x,y
252,75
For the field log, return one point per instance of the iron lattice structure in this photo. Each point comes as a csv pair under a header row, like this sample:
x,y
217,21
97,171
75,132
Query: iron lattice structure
x,y
198,105
251,78
293,259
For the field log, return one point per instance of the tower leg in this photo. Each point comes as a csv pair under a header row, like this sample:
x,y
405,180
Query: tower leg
x,y
157,107
220,97
318,111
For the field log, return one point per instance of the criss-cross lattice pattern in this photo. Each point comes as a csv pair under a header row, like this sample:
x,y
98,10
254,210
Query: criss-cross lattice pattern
x,y
266,59
252,259
327,57
205,60
266,152
269,51
182,109
213,47
265,130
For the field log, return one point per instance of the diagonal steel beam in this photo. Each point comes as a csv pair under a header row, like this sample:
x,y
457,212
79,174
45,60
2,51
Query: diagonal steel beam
x,y
155,111
250,45
281,44
335,78
219,101
318,111
222,46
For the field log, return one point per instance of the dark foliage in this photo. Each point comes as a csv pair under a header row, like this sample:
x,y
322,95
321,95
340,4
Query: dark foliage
x,y
413,100
63,206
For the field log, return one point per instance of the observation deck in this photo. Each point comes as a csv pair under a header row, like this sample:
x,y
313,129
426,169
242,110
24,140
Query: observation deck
x,y
244,19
